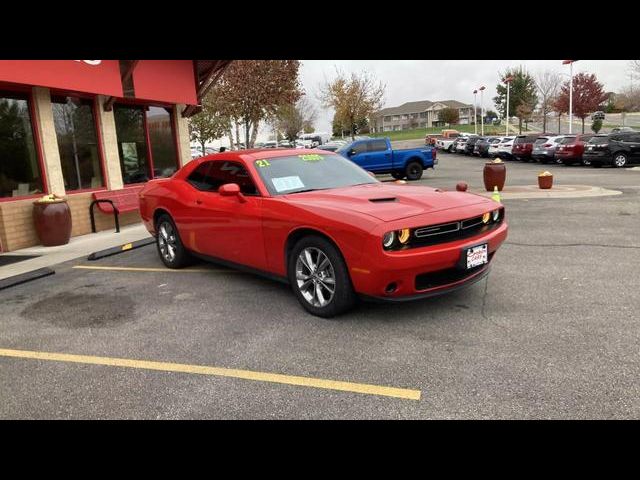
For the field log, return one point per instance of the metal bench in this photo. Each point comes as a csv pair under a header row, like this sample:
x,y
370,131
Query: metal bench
x,y
116,202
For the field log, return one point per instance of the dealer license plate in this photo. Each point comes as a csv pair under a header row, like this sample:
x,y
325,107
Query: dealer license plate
x,y
477,256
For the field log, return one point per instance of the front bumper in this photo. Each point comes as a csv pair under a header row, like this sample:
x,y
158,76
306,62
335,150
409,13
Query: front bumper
x,y
424,271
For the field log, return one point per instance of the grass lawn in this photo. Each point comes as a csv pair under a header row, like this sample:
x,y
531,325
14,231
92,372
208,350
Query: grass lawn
x,y
422,132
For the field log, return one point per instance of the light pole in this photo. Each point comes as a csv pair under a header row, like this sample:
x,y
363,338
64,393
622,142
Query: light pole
x,y
475,115
482,109
508,81
570,63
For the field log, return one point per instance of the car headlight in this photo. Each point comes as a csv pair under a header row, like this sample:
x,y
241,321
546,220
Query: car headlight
x,y
388,239
496,215
403,235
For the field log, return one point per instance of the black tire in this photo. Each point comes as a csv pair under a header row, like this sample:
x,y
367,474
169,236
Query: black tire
x,y
343,298
450,149
585,162
397,175
620,160
181,257
413,171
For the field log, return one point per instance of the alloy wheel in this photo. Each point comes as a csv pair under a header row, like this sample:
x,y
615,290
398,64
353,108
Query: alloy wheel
x,y
315,277
620,160
167,241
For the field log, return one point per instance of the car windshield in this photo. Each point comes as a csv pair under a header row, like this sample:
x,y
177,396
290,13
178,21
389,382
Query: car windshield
x,y
541,140
303,173
567,140
599,140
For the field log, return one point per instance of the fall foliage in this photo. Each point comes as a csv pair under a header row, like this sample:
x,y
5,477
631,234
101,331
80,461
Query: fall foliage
x,y
588,95
354,99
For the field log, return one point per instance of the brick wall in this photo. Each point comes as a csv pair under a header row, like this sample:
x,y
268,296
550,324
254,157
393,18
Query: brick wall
x,y
16,221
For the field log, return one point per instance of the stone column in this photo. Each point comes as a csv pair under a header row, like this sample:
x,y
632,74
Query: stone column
x,y
181,127
107,126
48,140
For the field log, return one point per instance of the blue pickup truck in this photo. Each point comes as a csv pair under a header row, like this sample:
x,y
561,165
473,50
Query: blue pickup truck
x,y
377,156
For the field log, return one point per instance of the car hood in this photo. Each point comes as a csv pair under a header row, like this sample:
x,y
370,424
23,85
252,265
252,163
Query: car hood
x,y
386,201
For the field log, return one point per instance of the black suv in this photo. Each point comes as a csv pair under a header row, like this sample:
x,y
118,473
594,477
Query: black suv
x,y
617,149
471,143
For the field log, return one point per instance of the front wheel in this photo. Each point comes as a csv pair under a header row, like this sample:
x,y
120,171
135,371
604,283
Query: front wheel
x,y
319,277
413,171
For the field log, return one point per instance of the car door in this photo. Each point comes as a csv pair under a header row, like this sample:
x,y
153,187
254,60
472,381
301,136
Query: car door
x,y
227,228
379,156
360,155
634,148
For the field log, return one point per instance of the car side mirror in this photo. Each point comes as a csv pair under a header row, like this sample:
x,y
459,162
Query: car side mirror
x,y
231,190
351,152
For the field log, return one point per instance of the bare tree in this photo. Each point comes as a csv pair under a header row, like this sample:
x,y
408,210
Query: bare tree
x,y
294,118
548,84
634,65
354,98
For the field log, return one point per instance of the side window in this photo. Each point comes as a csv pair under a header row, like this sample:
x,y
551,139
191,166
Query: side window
x,y
199,178
377,146
634,138
360,147
223,171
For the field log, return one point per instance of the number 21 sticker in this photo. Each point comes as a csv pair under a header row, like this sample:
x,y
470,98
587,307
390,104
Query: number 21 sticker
x,y
262,163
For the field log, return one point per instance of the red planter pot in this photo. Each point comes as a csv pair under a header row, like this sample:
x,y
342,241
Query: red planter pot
x,y
53,222
494,175
545,182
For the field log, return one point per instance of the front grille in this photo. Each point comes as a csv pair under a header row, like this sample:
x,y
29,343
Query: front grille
x,y
449,232
426,281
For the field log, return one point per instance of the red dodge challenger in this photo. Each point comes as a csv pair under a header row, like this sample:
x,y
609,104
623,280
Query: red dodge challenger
x,y
324,225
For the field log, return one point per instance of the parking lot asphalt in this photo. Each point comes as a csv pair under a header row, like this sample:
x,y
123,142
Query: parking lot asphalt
x,y
553,332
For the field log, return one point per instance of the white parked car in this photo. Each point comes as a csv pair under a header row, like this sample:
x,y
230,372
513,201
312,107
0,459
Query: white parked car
x,y
461,144
504,144
504,147
446,144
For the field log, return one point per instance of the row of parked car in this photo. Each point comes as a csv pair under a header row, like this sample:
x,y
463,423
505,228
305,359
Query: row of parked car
x,y
619,148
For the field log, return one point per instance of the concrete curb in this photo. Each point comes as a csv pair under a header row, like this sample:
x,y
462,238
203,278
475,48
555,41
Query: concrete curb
x,y
558,191
25,277
121,248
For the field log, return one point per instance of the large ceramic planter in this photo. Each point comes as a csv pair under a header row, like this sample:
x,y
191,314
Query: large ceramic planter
x,y
53,222
545,181
494,175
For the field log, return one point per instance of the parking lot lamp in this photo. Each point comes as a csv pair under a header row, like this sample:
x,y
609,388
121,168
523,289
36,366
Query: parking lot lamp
x,y
475,115
508,81
570,63
482,110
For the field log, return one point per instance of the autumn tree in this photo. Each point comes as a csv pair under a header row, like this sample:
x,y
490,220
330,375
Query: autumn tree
x,y
523,112
353,98
294,118
254,89
211,123
450,116
548,84
588,95
522,94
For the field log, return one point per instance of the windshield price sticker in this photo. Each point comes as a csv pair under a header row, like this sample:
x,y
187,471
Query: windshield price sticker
x,y
282,184
314,157
262,163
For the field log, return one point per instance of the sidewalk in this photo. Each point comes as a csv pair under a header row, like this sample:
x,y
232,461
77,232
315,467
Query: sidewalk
x,y
80,246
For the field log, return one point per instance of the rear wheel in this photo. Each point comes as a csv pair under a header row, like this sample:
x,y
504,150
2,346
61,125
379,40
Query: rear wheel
x,y
170,247
319,277
413,171
620,160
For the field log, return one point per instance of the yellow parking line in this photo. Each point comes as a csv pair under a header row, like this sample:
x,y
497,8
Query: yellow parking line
x,y
217,371
152,269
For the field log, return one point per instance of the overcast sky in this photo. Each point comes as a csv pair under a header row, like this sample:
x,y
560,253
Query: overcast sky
x,y
412,80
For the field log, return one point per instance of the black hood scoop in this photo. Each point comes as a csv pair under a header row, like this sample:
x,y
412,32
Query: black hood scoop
x,y
383,199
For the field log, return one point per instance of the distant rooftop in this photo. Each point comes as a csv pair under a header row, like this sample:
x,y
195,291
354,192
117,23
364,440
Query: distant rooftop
x,y
420,106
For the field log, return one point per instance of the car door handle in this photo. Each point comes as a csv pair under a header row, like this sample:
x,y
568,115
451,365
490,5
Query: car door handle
x,y
198,201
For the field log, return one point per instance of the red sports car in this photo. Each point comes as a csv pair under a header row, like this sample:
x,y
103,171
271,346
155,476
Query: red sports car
x,y
324,225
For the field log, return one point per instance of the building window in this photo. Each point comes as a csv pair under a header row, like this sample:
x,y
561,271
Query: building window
x,y
20,173
163,145
146,143
77,143
132,144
